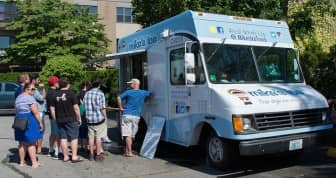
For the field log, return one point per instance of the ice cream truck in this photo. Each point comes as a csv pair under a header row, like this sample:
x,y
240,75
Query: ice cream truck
x,y
231,84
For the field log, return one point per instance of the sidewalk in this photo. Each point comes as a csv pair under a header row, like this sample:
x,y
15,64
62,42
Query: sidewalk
x,y
115,165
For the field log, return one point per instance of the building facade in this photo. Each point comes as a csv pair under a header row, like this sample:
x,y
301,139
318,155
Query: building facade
x,y
116,15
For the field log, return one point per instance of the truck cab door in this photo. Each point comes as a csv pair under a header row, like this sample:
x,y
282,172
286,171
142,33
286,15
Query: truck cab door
x,y
186,102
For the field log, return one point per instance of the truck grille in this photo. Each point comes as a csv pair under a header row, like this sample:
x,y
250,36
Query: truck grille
x,y
293,119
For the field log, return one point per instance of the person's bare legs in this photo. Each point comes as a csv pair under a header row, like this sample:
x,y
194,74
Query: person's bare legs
x,y
98,146
128,150
91,145
74,146
32,155
39,146
64,147
22,153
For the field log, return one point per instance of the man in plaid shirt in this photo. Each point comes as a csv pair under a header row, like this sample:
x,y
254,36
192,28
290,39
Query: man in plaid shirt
x,y
95,110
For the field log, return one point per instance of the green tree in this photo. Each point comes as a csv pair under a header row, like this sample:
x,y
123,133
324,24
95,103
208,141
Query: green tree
x,y
49,28
301,16
163,9
300,19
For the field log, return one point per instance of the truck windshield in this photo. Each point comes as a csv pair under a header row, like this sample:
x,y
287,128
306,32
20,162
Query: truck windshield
x,y
251,64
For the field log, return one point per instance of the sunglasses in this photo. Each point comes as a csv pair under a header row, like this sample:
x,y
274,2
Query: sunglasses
x,y
32,89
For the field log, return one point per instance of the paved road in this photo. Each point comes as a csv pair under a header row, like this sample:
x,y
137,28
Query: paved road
x,y
171,161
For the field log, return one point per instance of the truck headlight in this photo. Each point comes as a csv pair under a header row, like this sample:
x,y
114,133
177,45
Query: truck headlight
x,y
243,124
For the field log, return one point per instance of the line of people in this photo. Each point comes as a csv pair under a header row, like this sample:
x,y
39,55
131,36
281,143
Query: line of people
x,y
72,118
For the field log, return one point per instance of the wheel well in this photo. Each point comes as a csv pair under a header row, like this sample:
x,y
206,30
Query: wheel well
x,y
206,130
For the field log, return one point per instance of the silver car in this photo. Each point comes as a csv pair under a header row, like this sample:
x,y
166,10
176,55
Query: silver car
x,y
7,98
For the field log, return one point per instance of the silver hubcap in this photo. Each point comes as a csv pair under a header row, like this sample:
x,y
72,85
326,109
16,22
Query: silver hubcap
x,y
216,149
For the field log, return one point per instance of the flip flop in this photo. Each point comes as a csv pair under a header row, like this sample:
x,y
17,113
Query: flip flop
x,y
77,160
66,160
130,155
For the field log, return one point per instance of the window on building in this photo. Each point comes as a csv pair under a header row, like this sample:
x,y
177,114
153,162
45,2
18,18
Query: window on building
x,y
125,15
5,41
7,12
89,8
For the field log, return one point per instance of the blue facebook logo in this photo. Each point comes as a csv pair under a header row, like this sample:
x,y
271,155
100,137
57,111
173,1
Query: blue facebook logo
x,y
220,30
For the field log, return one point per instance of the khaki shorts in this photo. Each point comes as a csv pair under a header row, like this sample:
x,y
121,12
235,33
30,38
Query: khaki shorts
x,y
129,125
97,131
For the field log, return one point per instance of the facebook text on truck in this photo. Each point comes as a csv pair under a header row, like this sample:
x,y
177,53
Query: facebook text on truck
x,y
231,84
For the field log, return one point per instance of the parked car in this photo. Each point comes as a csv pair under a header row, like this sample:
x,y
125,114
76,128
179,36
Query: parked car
x,y
7,98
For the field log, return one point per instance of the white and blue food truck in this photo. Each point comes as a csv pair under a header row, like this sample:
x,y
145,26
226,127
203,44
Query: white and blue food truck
x,y
232,84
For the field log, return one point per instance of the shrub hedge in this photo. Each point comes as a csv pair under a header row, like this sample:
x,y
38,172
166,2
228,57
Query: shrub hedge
x,y
109,81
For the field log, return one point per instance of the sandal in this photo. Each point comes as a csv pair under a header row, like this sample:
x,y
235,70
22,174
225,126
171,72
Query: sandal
x,y
76,160
129,155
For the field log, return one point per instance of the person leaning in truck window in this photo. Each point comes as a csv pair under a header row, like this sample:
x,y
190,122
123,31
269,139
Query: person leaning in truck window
x,y
131,112
95,112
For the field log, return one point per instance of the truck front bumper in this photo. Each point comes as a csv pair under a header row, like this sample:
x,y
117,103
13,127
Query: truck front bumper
x,y
278,144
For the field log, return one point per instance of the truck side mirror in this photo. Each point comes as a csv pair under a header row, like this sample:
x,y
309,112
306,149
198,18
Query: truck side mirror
x,y
189,65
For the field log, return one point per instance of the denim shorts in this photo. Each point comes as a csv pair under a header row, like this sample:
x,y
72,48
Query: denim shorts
x,y
54,128
68,130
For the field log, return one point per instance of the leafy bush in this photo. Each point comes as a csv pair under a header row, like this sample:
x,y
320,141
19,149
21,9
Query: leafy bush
x,y
319,68
64,66
11,76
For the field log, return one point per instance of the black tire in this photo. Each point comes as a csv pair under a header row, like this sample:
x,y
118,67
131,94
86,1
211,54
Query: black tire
x,y
220,153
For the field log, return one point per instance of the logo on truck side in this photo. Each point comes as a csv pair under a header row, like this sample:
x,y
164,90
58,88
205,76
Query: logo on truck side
x,y
241,95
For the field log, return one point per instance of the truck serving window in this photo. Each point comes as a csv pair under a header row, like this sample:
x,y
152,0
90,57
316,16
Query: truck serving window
x,y
246,64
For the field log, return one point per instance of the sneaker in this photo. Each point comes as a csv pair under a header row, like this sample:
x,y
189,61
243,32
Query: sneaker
x,y
58,157
52,154
106,140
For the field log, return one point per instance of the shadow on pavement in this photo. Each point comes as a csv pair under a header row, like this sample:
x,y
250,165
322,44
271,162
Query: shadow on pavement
x,y
193,158
13,155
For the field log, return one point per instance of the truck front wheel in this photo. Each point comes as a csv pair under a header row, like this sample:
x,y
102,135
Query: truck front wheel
x,y
220,153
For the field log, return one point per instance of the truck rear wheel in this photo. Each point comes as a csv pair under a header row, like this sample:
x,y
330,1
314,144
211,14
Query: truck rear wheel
x,y
220,153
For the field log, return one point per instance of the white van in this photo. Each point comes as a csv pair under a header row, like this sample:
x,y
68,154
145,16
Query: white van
x,y
231,83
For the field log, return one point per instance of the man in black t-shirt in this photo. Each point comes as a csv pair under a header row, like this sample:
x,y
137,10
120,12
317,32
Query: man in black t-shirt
x,y
64,109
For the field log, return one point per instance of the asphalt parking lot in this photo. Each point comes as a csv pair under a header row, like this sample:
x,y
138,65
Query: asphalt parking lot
x,y
170,161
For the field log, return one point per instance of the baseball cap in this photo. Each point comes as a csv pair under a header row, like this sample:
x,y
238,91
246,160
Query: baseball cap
x,y
52,80
134,80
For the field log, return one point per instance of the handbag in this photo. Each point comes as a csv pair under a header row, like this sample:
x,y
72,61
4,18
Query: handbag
x,y
20,124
